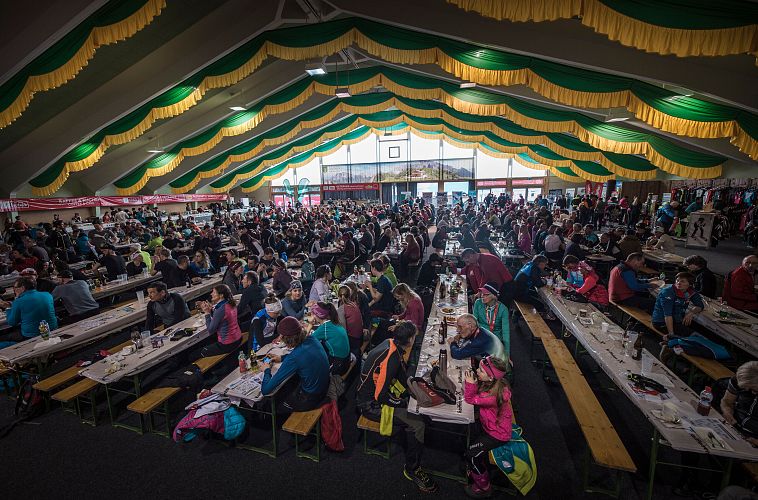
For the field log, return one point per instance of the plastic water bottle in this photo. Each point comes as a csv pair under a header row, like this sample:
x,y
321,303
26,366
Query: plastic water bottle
x,y
44,330
242,362
704,404
284,256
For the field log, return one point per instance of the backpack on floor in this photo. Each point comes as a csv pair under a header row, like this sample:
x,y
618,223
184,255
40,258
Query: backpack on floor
x,y
29,404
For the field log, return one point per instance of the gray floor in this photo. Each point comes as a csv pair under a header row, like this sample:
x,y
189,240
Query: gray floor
x,y
721,259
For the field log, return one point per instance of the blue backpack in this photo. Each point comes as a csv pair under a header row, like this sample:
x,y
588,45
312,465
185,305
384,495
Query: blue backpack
x,y
697,345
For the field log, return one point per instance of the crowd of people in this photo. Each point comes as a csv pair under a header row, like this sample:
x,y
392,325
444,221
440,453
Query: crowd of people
x,y
326,320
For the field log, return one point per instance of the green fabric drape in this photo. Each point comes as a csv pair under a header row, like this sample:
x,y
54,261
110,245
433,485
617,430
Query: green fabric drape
x,y
689,15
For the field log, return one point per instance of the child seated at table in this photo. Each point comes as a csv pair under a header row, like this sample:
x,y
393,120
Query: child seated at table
x,y
488,390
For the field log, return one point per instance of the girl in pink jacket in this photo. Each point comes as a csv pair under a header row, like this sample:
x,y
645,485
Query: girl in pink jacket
x,y
493,397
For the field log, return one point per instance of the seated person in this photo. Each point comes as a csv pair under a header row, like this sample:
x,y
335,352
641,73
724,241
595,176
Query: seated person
x,y
739,285
263,326
740,401
185,272
625,288
482,268
474,341
233,277
591,288
332,335
528,279
136,265
574,247
350,315
76,297
294,301
573,276
411,304
670,313
609,246
307,271
493,315
590,238
429,272
168,268
304,371
661,241
705,280
382,383
167,308
112,262
382,303
201,263
29,308
253,294
281,279
221,322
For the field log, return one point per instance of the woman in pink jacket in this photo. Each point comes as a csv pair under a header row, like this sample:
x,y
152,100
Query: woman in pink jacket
x,y
490,392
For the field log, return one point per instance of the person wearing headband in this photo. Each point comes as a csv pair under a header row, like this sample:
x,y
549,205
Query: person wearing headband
x,y
489,391
332,335
264,324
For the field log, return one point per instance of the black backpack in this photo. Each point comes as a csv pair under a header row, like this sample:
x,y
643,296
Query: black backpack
x,y
29,404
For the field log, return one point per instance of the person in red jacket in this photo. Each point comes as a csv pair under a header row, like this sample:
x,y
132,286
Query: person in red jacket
x,y
482,268
739,286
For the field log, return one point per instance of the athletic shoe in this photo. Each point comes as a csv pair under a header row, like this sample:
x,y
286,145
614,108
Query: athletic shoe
x,y
424,483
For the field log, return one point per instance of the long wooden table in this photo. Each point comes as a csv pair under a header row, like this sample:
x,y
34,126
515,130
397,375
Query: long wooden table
x,y
662,257
607,351
93,328
116,287
461,412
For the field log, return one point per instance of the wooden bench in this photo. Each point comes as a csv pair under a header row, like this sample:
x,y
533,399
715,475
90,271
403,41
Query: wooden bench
x,y
604,443
148,403
536,325
302,423
368,425
710,367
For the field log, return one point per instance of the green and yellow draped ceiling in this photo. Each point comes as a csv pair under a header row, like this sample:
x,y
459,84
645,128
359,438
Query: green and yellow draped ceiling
x,y
286,161
662,153
691,28
115,21
386,120
687,116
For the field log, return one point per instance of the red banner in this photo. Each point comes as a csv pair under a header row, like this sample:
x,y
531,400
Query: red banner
x,y
27,204
538,181
372,186
593,188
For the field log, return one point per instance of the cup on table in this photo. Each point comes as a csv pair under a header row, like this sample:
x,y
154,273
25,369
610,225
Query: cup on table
x,y
123,277
140,297
670,412
647,363
582,313
604,327
631,339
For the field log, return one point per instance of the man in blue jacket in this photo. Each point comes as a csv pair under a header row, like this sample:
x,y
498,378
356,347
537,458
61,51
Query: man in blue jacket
x,y
30,307
474,341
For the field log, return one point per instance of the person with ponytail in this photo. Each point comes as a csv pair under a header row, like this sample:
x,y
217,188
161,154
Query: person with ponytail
x,y
349,312
221,321
488,389
332,335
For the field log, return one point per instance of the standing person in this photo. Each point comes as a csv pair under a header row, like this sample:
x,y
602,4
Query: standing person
x,y
413,307
308,361
167,308
671,313
739,285
705,280
489,391
382,385
493,315
221,322
332,335
481,269
76,297
27,311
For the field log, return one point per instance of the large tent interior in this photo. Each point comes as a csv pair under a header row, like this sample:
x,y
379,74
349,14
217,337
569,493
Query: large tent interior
x,y
175,103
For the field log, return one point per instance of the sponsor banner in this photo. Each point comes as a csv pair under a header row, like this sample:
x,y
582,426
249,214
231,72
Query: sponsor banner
x,y
27,204
537,181
492,183
369,186
594,188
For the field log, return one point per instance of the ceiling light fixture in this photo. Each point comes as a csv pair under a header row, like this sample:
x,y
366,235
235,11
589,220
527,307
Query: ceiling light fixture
x,y
315,69
617,115
342,92
468,85
237,108
155,151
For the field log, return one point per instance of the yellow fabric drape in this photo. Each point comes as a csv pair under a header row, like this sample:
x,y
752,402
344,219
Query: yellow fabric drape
x,y
621,28
100,36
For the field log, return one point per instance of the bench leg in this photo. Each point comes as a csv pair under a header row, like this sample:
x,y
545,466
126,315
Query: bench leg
x,y
586,486
316,457
368,450
653,463
271,452
111,407
91,399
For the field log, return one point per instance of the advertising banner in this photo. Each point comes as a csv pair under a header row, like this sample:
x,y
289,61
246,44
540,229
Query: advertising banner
x,y
369,186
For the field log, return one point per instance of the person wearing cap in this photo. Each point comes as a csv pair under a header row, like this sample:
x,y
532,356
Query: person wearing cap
x,y
294,301
136,265
136,247
265,321
76,297
281,279
114,264
473,340
332,335
308,361
492,315
661,241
